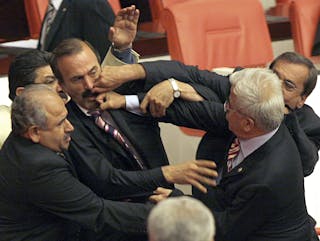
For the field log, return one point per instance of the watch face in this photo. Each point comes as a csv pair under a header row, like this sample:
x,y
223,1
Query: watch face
x,y
176,94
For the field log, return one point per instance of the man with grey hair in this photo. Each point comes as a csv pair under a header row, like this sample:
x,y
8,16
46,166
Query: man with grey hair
x,y
257,158
181,219
38,180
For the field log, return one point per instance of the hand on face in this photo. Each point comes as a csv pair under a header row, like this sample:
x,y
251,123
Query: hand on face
x,y
124,29
108,80
111,100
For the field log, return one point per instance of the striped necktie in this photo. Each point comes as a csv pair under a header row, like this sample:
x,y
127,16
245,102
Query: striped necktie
x,y
48,20
109,129
51,13
233,153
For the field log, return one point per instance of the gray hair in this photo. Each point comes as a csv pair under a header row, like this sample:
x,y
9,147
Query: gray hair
x,y
28,109
259,95
181,219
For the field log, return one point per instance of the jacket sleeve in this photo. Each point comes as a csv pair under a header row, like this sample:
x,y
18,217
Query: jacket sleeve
x,y
161,70
96,172
304,126
54,189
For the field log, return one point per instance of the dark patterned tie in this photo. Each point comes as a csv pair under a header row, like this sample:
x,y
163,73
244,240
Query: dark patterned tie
x,y
233,153
116,135
51,13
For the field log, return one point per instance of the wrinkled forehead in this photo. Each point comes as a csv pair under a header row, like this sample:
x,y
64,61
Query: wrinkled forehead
x,y
297,73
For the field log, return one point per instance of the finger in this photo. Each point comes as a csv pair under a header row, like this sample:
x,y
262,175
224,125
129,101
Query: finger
x,y
144,104
198,185
101,98
152,109
111,33
202,179
156,198
105,105
206,163
161,190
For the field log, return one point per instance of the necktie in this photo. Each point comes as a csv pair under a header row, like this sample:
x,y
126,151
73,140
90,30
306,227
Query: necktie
x,y
109,129
51,12
48,19
233,153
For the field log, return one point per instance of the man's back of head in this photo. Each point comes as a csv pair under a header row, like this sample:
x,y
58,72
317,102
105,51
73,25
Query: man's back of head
x,y
181,219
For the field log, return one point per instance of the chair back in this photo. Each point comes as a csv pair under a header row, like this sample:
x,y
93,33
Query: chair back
x,y
156,8
115,5
304,18
218,33
35,12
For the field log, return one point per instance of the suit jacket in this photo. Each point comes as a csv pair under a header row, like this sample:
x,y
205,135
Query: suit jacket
x,y
303,123
249,203
88,20
98,158
40,193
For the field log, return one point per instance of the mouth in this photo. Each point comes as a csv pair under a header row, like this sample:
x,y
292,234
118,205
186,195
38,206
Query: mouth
x,y
89,94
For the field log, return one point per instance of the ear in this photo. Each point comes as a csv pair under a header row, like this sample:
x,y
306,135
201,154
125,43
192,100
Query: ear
x,y
19,90
248,124
34,134
301,102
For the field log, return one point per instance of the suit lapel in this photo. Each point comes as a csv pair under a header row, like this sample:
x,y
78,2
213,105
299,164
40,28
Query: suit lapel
x,y
94,134
56,23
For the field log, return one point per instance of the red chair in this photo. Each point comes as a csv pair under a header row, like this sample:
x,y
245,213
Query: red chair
x,y
35,12
304,18
156,8
115,5
217,33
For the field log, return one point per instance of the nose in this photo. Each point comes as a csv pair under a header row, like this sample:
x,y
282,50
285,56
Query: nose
x,y
88,82
68,126
58,88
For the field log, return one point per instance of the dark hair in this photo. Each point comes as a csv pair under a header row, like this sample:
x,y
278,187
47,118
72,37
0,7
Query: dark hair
x,y
69,47
22,71
295,58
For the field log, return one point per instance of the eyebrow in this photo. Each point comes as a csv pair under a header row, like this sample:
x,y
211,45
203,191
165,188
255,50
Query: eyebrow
x,y
277,73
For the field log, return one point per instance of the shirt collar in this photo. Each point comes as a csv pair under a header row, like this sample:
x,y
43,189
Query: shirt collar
x,y
56,3
85,111
247,146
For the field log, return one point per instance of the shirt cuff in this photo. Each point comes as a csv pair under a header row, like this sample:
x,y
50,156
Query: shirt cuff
x,y
132,104
123,55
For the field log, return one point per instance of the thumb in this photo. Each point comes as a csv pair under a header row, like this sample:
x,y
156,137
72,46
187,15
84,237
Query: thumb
x,y
144,104
111,34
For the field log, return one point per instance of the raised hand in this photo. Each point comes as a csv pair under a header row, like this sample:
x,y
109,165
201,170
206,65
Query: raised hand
x,y
124,29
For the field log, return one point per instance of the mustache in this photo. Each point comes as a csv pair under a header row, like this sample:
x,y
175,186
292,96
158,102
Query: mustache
x,y
88,93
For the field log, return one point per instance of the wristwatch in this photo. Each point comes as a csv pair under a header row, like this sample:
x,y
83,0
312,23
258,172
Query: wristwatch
x,y
176,90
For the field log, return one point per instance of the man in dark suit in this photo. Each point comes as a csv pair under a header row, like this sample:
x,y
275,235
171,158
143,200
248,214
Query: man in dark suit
x,y
88,20
248,202
40,191
297,73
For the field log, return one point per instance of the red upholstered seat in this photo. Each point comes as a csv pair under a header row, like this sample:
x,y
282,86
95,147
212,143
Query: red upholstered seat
x,y
35,11
304,18
218,33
